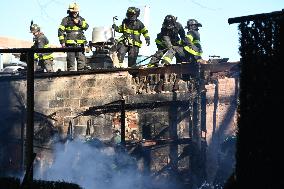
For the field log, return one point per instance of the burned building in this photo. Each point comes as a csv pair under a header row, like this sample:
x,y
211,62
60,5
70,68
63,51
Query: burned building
x,y
171,119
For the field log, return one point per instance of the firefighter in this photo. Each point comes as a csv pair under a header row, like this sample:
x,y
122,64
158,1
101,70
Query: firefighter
x,y
43,61
192,46
170,39
131,29
71,34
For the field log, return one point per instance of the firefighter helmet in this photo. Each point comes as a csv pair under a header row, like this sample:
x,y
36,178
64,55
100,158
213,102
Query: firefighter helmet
x,y
193,24
73,7
34,28
169,22
132,13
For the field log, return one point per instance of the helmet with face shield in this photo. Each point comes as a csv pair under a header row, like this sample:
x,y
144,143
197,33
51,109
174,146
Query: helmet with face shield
x,y
132,13
193,24
169,22
34,28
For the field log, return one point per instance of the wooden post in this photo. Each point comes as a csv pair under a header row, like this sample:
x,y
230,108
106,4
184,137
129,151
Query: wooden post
x,y
122,121
196,131
30,117
173,124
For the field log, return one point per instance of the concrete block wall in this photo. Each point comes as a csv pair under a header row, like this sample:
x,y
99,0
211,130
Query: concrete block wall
x,y
68,96
221,119
64,97
71,97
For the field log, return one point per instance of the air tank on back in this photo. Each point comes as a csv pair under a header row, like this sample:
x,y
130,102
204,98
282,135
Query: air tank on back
x,y
102,35
102,45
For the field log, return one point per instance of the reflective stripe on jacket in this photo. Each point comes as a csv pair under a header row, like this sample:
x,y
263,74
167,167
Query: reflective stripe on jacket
x,y
71,33
193,45
41,41
131,32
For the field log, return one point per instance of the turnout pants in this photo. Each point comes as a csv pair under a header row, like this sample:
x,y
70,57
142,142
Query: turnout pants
x,y
175,51
132,53
156,58
75,56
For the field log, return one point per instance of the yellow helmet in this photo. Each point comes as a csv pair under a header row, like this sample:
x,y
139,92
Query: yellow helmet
x,y
73,7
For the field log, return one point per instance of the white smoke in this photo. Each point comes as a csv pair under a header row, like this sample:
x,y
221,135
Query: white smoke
x,y
93,167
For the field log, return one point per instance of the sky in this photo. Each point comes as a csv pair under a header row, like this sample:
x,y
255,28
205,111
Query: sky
x,y
217,36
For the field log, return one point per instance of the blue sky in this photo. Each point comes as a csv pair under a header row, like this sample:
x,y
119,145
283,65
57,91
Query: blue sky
x,y
217,36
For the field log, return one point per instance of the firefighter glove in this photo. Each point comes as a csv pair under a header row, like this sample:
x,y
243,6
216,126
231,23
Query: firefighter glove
x,y
115,27
147,41
79,22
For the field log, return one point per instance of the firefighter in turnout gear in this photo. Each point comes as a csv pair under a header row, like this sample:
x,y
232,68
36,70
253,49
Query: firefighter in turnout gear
x,y
71,34
168,41
192,46
43,61
131,29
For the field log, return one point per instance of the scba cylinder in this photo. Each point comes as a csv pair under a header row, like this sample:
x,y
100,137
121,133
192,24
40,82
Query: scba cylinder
x,y
102,35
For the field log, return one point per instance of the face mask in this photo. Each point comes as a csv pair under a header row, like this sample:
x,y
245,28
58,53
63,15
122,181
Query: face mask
x,y
193,28
131,17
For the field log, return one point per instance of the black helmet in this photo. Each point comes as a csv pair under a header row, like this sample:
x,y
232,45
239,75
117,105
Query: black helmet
x,y
193,24
34,28
132,13
137,11
169,22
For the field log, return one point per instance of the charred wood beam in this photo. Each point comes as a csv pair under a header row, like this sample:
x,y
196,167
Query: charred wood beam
x,y
30,116
196,164
112,108
159,142
161,133
28,177
42,50
43,147
256,17
43,116
178,68
173,133
184,114
183,69
136,72
220,67
122,122
203,102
